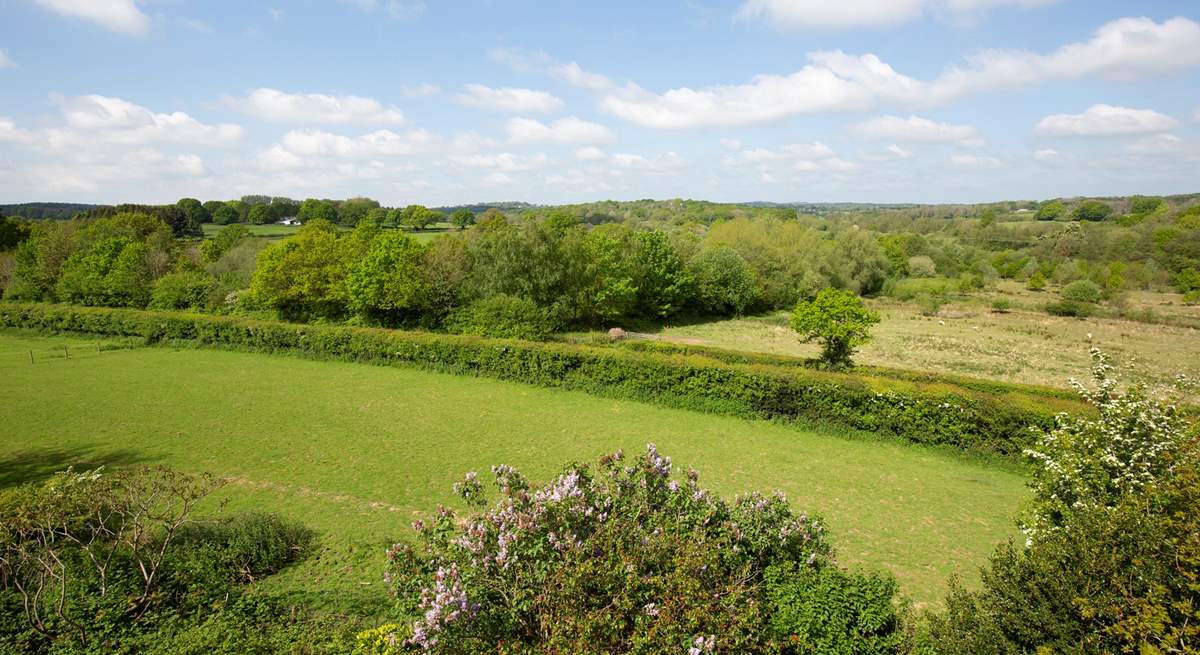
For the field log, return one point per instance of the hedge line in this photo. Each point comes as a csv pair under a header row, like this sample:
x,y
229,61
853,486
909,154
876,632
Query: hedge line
x,y
939,414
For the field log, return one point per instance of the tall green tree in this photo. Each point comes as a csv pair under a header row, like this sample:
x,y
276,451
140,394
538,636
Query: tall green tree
x,y
388,285
461,218
303,277
838,320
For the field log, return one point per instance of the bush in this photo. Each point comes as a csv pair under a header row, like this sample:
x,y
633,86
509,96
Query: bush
x,y
724,283
1069,308
183,290
839,320
1037,282
1001,305
921,266
833,611
930,305
1084,291
250,545
504,317
984,416
1091,210
1112,541
625,558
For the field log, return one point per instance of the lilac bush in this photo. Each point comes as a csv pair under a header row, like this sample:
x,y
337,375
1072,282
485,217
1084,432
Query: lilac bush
x,y
620,557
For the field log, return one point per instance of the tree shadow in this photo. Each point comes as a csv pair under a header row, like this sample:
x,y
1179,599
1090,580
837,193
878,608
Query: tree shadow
x,y
38,464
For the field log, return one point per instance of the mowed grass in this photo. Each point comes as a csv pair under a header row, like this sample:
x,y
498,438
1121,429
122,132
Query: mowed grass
x,y
357,452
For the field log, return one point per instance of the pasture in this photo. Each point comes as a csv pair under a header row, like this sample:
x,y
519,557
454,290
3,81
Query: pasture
x,y
968,338
357,452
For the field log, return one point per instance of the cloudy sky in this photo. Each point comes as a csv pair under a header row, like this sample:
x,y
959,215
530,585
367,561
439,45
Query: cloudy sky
x,y
448,101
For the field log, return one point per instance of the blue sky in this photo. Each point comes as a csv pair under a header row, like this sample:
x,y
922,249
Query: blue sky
x,y
475,100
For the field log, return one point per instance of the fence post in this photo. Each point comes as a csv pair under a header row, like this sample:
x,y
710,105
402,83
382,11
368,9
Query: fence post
x,y
66,352
30,356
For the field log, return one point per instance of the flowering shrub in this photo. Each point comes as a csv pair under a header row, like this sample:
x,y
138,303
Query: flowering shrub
x,y
1086,463
619,558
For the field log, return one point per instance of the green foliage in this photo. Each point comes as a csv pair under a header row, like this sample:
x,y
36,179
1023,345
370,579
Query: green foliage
x,y
418,217
1001,305
212,249
724,282
664,284
260,215
1092,210
502,316
461,218
249,546
1051,210
1069,308
1187,280
225,214
832,611
195,211
387,285
182,290
1082,291
1112,542
839,320
1143,205
111,272
1036,282
303,277
316,210
355,210
986,417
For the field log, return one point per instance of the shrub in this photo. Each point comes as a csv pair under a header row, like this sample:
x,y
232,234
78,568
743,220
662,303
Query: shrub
x,y
1069,308
502,316
1001,305
1112,546
921,266
1037,282
182,290
930,305
622,558
1084,291
839,320
250,545
832,611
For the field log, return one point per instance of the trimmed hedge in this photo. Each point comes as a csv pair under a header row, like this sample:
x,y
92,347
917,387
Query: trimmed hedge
x,y
929,413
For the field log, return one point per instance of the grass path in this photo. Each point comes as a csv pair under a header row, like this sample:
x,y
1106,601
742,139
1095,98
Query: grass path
x,y
357,451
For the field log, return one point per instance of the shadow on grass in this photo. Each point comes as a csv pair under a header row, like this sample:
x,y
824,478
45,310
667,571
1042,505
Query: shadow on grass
x,y
38,464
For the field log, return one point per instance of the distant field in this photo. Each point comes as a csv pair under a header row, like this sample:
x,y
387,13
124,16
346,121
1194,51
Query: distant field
x,y
284,231
357,452
1024,345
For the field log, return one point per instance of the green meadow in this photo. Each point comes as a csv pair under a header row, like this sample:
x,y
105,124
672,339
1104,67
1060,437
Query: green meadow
x,y
357,452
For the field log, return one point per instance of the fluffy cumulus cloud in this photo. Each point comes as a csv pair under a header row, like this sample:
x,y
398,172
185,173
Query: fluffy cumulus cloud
x,y
122,16
93,119
1105,120
272,105
791,14
798,157
837,82
504,161
305,147
915,129
508,99
567,131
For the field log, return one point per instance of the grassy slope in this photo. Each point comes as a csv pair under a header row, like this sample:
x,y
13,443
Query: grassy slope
x,y
357,451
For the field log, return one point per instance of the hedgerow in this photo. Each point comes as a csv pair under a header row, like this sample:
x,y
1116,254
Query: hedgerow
x,y
938,413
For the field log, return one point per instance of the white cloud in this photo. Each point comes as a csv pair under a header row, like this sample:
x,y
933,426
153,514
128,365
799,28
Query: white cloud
x,y
310,142
421,90
839,82
590,153
122,16
6,61
94,119
864,13
664,162
504,161
508,99
536,61
497,178
731,144
10,133
1159,144
564,131
1105,120
900,153
915,129
1048,156
272,105
572,74
976,162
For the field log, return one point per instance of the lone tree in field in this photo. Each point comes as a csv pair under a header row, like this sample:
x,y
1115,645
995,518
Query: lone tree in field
x,y
839,320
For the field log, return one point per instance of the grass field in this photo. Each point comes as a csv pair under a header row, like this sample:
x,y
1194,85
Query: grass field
x,y
1023,346
357,452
